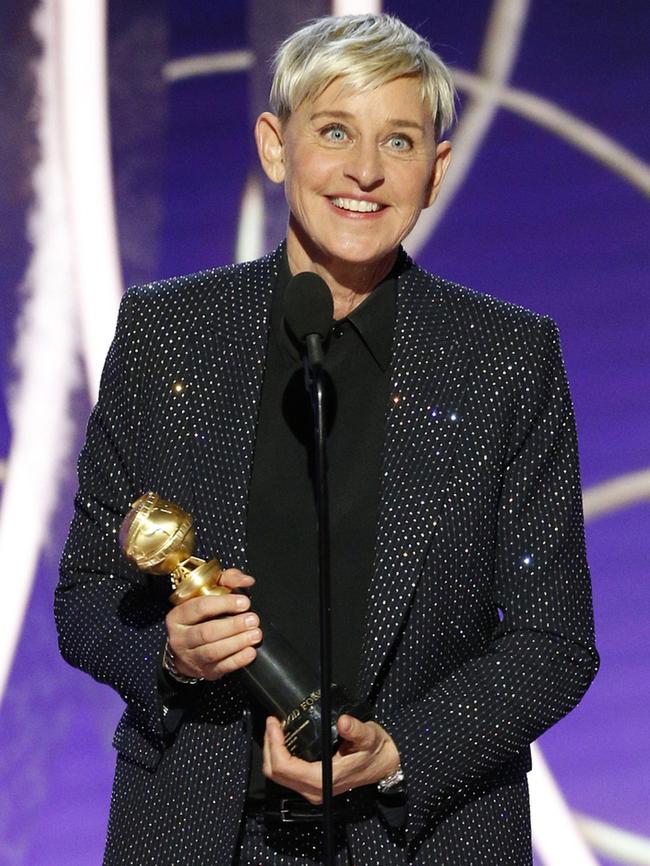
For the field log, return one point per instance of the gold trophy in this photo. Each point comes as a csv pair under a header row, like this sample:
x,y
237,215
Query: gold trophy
x,y
157,537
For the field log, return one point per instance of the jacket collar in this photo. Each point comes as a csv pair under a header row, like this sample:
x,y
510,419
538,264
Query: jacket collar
x,y
372,319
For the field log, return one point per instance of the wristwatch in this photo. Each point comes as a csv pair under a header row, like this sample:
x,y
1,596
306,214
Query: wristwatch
x,y
170,667
391,782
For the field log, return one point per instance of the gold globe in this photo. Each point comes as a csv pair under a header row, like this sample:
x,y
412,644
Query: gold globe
x,y
156,535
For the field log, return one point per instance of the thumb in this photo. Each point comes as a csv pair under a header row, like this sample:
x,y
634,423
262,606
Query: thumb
x,y
353,731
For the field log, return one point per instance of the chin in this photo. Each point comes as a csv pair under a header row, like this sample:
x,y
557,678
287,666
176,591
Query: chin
x,y
359,255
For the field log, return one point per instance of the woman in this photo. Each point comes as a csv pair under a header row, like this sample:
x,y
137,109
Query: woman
x,y
462,607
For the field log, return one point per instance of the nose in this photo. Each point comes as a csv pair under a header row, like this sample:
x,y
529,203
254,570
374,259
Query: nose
x,y
364,165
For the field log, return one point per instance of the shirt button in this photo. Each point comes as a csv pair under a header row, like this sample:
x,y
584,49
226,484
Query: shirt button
x,y
338,331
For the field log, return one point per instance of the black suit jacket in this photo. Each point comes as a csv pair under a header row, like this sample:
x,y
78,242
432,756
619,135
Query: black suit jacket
x,y
479,631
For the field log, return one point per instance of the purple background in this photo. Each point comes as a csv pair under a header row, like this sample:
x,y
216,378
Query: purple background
x,y
537,222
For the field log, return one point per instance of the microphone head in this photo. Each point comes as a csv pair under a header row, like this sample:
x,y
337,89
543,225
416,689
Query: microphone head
x,y
308,306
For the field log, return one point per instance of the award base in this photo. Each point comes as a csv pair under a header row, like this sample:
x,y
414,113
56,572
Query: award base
x,y
286,687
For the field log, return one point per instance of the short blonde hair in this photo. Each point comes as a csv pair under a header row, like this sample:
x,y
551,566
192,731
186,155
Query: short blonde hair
x,y
369,50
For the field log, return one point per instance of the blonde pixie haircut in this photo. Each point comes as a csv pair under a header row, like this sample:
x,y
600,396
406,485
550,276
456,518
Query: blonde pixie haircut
x,y
369,50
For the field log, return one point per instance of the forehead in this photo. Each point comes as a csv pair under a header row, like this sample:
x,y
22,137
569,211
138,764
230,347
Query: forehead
x,y
400,98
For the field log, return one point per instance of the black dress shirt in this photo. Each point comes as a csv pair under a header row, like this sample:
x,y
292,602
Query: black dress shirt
x,y
282,528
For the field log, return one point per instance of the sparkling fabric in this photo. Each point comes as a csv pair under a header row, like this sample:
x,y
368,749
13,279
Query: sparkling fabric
x,y
479,630
275,844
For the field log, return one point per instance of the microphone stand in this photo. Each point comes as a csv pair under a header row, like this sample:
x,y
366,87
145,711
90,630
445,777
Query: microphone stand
x,y
313,362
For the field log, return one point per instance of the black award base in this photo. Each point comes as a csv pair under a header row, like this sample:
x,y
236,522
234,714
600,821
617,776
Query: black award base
x,y
286,687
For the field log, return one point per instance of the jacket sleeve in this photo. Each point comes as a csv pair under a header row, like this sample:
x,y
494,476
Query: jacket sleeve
x,y
109,621
541,656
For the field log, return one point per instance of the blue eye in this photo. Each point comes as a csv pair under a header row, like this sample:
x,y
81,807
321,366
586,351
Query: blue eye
x,y
400,142
335,133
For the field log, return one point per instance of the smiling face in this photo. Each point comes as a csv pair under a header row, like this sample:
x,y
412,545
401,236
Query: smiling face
x,y
358,168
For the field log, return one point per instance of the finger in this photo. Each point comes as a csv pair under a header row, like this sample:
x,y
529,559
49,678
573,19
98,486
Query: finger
x,y
230,664
274,745
211,660
286,769
273,739
267,763
359,735
274,732
207,607
218,629
217,652
233,578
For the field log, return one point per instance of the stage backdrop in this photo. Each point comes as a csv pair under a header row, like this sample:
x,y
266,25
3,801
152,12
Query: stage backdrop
x,y
126,155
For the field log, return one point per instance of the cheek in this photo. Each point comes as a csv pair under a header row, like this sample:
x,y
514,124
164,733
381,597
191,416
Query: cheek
x,y
414,188
292,188
304,187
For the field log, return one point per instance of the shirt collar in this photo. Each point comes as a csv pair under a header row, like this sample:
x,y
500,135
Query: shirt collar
x,y
373,319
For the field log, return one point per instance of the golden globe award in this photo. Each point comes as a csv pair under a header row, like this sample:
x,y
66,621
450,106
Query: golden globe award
x,y
157,537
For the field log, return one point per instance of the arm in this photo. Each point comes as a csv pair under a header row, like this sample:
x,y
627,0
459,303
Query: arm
x,y
113,620
109,623
541,656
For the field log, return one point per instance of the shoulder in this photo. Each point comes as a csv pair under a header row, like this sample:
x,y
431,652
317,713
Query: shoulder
x,y
481,317
193,294
178,309
475,307
513,351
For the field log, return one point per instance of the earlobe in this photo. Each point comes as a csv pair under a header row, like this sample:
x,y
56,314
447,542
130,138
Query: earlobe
x,y
270,146
440,166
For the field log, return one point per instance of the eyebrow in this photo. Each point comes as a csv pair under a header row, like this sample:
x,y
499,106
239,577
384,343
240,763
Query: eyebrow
x,y
346,115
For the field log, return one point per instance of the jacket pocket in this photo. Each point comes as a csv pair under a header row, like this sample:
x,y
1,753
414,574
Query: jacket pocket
x,y
134,745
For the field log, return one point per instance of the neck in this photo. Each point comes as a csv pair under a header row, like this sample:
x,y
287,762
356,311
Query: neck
x,y
349,282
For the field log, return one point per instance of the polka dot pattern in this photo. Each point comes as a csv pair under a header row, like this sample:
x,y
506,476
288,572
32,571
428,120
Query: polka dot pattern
x,y
479,631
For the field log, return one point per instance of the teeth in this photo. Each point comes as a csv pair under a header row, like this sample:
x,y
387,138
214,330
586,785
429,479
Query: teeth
x,y
356,205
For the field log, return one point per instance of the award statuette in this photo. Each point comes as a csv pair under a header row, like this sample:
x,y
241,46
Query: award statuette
x,y
157,537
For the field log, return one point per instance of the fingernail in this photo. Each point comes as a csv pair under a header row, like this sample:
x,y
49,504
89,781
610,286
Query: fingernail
x,y
345,724
242,602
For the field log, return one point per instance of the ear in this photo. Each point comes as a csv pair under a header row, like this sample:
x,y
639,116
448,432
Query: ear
x,y
270,146
440,166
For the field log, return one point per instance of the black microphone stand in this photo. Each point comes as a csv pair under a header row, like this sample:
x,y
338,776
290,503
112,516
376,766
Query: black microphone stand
x,y
313,362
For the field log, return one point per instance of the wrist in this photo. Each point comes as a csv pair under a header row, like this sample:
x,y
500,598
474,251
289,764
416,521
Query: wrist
x,y
169,666
392,776
392,781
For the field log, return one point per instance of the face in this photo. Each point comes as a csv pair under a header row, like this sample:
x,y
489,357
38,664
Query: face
x,y
358,168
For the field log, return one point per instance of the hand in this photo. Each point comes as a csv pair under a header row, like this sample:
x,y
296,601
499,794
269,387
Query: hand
x,y
215,634
366,755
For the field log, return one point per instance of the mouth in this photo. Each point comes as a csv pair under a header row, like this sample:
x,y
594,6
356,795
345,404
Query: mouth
x,y
356,205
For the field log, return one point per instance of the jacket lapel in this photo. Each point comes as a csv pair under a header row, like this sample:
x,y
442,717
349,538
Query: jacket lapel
x,y
230,368
424,418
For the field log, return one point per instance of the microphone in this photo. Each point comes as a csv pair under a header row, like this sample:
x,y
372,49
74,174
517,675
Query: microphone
x,y
308,312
